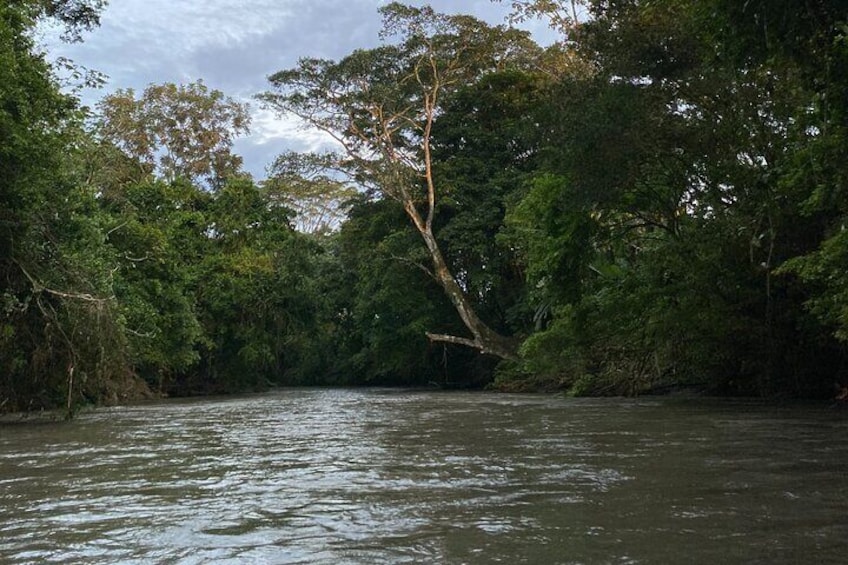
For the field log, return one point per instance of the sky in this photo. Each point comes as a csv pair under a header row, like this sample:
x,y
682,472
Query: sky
x,y
233,46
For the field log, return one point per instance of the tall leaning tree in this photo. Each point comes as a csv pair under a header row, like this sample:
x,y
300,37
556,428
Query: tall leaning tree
x,y
380,106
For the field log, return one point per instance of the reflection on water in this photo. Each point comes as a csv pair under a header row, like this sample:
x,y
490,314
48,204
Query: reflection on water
x,y
345,476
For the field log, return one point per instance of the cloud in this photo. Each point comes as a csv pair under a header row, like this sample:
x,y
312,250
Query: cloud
x,y
233,46
272,135
268,127
325,28
143,41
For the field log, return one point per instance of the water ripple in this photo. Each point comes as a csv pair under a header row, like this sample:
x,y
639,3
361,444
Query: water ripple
x,y
392,477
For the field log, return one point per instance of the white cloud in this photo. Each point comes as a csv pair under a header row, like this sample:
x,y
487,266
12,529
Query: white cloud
x,y
179,28
271,135
270,128
233,45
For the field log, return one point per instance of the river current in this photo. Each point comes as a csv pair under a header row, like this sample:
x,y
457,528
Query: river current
x,y
379,477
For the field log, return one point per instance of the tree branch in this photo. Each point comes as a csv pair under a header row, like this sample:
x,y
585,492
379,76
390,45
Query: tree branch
x,y
38,287
455,340
407,261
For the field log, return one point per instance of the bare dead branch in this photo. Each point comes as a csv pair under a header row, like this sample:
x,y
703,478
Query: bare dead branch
x,y
443,338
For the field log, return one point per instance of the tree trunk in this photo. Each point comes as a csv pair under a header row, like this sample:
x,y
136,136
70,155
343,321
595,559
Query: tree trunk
x,y
484,338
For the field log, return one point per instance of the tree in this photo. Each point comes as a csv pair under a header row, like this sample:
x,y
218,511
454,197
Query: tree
x,y
486,146
807,44
562,15
179,131
253,291
381,104
687,168
158,232
61,340
299,182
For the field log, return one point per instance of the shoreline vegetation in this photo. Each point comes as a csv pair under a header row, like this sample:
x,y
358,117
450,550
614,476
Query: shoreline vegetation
x,y
656,203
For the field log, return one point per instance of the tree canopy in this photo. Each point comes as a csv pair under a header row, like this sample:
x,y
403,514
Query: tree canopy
x,y
177,130
655,201
381,105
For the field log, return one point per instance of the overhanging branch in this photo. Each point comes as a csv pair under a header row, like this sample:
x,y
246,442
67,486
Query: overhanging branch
x,y
455,340
37,287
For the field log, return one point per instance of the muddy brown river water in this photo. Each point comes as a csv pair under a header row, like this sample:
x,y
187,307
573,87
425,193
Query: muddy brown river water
x,y
379,477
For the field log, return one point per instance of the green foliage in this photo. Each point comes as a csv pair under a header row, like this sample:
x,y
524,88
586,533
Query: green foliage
x,y
254,292
486,145
691,166
180,130
657,201
391,301
555,235
824,271
61,339
157,236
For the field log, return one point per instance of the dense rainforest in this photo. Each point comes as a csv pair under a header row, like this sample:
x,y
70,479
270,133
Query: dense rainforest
x,y
656,200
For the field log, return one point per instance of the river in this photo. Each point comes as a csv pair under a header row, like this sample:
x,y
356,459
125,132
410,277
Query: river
x,y
379,477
